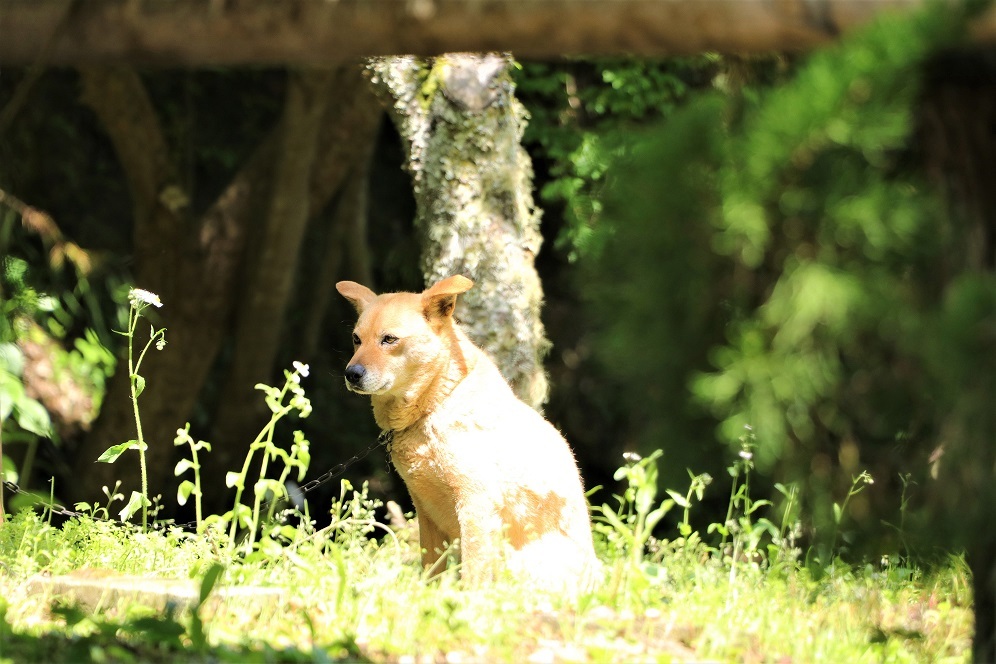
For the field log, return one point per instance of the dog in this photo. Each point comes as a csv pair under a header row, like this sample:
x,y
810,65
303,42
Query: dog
x,y
483,469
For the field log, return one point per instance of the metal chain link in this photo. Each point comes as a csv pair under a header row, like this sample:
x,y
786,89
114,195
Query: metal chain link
x,y
54,508
383,440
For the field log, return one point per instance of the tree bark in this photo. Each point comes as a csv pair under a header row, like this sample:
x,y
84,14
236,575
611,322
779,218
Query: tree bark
x,y
957,114
309,33
320,144
474,208
196,265
346,244
268,282
119,99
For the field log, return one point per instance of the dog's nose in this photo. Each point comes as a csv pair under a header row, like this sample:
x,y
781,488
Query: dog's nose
x,y
355,373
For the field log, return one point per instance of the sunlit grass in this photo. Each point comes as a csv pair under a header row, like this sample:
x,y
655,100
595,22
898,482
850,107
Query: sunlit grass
x,y
346,595
355,590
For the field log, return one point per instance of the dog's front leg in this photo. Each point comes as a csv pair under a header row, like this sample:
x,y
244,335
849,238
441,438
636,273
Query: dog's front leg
x,y
480,541
432,541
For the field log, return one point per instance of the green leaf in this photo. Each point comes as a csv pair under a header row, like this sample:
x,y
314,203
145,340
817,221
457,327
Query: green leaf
x,y
182,466
679,499
209,581
11,359
112,453
183,492
138,383
234,480
609,515
756,505
264,486
243,515
718,528
654,517
135,503
32,416
6,402
9,469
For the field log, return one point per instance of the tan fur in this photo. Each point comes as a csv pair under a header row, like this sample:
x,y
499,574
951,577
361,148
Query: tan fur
x,y
481,466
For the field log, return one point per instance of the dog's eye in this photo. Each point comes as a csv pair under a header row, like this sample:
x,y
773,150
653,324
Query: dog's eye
x,y
356,339
388,340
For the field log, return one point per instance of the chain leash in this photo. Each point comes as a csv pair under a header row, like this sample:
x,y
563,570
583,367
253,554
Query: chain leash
x,y
383,440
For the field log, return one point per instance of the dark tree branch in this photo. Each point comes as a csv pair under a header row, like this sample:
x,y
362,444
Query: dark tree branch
x,y
318,33
122,103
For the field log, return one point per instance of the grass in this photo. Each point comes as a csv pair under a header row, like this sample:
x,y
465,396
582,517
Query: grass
x,y
355,591
348,596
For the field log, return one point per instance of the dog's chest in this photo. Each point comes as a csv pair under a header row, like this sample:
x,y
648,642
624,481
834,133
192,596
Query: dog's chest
x,y
419,459
425,464
429,471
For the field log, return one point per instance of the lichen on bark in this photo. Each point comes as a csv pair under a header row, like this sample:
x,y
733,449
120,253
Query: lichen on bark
x,y
472,179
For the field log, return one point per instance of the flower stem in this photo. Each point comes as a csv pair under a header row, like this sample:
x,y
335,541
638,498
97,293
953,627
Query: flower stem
x,y
133,317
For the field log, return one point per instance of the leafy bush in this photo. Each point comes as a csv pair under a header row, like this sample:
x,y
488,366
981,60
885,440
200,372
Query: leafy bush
x,y
779,255
579,112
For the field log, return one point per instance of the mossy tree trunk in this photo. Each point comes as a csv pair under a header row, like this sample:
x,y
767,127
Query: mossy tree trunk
x,y
462,125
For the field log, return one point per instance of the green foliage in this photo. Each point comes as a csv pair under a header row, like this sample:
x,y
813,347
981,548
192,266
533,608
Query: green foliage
x,y
817,165
580,110
659,295
281,402
17,297
29,414
190,487
630,526
139,301
17,300
342,594
30,319
780,253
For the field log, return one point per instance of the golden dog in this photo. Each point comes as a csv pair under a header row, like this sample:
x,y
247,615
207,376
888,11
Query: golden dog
x,y
482,467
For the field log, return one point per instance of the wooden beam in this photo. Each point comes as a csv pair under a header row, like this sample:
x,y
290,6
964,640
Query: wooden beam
x,y
194,33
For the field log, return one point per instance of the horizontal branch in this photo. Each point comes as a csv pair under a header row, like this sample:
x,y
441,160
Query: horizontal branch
x,y
321,32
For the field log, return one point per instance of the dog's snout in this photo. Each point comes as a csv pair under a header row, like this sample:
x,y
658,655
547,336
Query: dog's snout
x,y
355,373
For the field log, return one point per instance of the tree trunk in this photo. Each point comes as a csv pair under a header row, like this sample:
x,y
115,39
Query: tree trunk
x,y
474,208
195,266
346,244
320,146
957,117
119,99
267,285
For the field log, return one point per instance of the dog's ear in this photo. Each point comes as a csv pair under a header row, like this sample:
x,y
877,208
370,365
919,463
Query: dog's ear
x,y
358,295
440,300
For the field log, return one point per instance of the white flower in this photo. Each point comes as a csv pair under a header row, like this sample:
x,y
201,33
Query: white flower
x,y
301,368
138,297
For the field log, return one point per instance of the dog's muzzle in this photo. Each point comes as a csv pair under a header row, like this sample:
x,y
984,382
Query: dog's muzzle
x,y
355,373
